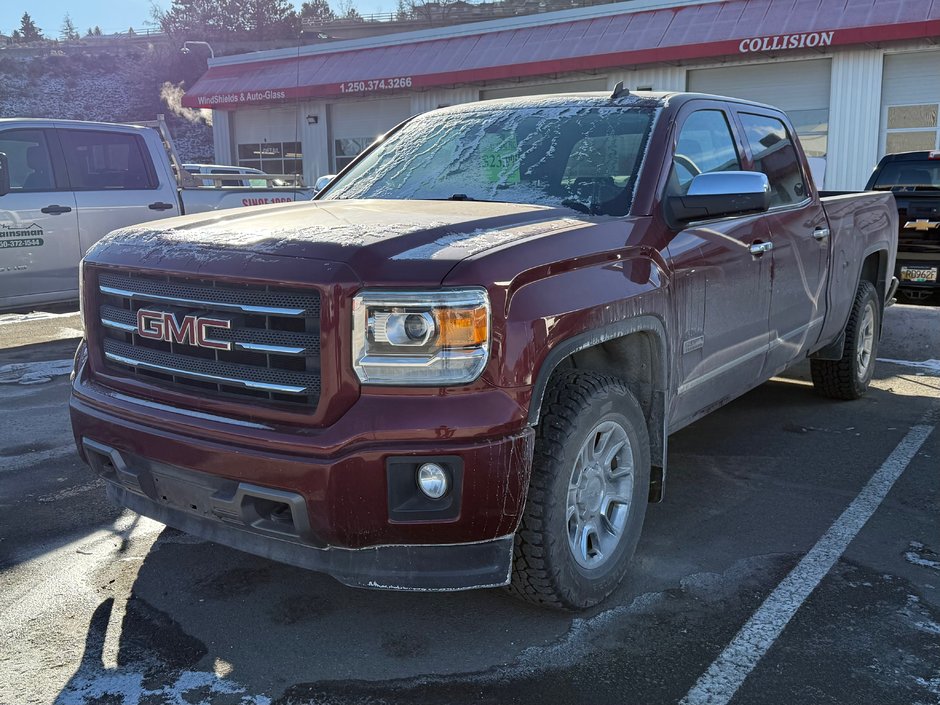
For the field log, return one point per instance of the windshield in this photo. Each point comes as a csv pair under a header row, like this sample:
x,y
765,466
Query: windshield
x,y
909,176
582,157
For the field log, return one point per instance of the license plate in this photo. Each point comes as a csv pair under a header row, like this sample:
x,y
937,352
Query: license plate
x,y
918,274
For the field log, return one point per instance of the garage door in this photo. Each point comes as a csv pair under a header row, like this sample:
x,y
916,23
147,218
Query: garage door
x,y
355,125
800,88
268,139
910,102
593,84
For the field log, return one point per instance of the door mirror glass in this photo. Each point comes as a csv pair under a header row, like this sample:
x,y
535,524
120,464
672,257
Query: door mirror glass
x,y
721,194
4,175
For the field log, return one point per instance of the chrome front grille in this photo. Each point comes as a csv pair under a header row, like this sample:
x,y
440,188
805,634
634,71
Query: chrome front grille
x,y
273,337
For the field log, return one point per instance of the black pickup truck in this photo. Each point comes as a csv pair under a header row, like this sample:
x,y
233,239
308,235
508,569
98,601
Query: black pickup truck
x,y
914,179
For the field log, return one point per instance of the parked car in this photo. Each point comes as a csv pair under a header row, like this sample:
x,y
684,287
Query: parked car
x,y
914,179
459,366
64,184
214,172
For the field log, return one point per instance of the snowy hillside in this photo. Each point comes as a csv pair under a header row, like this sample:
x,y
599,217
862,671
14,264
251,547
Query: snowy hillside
x,y
124,87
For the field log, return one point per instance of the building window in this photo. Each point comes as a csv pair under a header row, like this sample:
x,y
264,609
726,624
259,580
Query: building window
x,y
272,157
812,127
911,128
348,148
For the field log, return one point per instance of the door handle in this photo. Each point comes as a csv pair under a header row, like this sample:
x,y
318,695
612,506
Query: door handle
x,y
55,210
821,233
160,206
759,248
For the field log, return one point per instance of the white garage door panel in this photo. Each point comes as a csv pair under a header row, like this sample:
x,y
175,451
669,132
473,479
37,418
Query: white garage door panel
x,y
368,119
911,78
355,125
593,84
792,85
276,125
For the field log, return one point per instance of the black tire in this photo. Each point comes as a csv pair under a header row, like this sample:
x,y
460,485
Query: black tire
x,y
847,378
545,570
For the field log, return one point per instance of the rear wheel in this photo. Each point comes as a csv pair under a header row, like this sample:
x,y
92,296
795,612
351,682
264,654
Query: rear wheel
x,y
588,493
849,377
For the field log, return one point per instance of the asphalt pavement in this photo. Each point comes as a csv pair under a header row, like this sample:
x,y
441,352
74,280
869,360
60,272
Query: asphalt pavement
x,y
795,560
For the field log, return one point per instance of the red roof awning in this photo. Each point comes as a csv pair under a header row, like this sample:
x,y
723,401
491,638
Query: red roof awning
x,y
753,27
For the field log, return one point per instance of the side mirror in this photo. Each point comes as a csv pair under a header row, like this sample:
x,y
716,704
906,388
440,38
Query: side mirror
x,y
322,182
4,175
722,193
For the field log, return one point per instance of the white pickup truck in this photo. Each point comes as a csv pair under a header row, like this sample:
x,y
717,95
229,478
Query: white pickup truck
x,y
65,184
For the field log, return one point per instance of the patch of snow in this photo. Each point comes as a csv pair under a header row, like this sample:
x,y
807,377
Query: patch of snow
x,y
96,684
917,554
34,372
8,318
929,365
71,491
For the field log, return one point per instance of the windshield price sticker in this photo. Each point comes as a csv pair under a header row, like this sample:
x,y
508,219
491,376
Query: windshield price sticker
x,y
500,156
380,84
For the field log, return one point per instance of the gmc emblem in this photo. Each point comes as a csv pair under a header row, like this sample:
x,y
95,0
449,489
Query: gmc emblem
x,y
190,330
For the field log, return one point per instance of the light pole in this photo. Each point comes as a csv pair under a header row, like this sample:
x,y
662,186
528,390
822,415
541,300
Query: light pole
x,y
187,44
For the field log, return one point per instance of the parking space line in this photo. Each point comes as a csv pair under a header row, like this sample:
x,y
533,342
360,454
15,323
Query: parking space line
x,y
727,672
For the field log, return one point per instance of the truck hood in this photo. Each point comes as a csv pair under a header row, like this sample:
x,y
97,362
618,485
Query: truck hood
x,y
386,240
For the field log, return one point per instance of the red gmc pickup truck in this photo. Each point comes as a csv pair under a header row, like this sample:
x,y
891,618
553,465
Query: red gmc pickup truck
x,y
460,365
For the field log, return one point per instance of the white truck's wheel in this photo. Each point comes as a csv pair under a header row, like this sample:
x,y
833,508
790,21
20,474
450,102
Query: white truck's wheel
x,y
588,494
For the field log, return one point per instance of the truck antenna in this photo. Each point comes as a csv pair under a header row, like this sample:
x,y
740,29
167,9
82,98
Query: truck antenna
x,y
619,91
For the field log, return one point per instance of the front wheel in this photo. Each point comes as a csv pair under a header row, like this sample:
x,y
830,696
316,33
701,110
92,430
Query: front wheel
x,y
588,493
849,377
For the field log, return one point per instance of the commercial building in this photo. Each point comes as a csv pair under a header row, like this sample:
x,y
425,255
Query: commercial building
x,y
858,78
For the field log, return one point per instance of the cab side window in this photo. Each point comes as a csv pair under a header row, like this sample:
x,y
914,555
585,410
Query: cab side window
x,y
107,161
774,154
28,156
705,145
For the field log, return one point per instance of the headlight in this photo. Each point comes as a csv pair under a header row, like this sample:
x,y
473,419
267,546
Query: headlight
x,y
420,337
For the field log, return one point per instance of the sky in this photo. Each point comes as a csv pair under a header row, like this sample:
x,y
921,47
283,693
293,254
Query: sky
x,y
112,15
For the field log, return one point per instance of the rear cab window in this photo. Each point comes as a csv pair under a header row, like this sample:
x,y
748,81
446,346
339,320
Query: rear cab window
x,y
909,175
100,160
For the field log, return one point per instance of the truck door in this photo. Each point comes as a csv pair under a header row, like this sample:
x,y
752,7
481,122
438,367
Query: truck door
x,y
722,290
39,251
115,181
799,232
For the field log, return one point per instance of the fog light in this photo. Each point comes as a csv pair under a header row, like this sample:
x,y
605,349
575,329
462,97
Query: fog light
x,y
432,480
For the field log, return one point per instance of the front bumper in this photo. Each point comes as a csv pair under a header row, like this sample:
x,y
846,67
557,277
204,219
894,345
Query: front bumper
x,y
232,519
329,514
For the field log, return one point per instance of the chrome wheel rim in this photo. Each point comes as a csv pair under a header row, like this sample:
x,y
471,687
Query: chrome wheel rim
x,y
866,341
600,495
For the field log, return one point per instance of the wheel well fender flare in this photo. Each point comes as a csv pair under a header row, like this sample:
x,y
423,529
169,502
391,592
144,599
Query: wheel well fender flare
x,y
565,348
